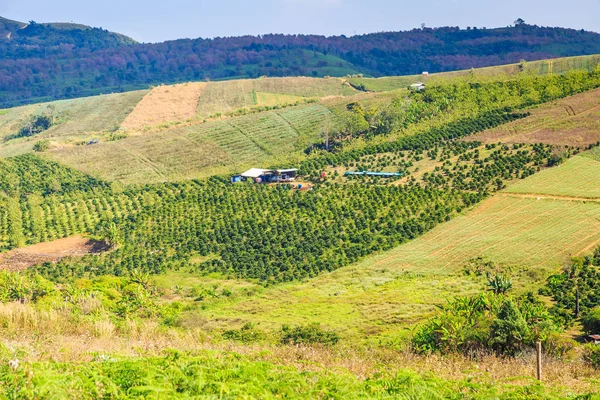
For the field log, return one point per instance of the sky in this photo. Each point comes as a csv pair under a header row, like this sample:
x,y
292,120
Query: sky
x,y
160,20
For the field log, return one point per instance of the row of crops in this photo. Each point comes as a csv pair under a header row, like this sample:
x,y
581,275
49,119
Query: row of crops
x,y
276,234
271,234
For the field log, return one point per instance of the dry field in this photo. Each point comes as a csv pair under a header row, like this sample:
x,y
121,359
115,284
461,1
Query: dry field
x,y
165,104
225,96
74,246
572,121
201,149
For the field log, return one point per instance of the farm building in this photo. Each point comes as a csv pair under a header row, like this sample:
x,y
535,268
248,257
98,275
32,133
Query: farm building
x,y
259,175
417,86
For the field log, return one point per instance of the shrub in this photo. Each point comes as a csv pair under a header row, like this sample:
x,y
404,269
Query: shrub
x,y
35,125
591,355
309,334
498,283
246,334
591,322
559,347
41,145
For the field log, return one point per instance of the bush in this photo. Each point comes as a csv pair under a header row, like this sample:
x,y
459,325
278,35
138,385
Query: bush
x,y
41,145
246,334
591,322
486,322
35,125
591,355
559,347
309,334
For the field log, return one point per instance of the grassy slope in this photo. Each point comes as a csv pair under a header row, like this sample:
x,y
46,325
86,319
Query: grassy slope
x,y
578,177
556,66
221,97
572,121
201,149
386,294
75,118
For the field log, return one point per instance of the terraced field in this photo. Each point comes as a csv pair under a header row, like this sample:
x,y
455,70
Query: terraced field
x,y
225,96
89,114
202,149
572,121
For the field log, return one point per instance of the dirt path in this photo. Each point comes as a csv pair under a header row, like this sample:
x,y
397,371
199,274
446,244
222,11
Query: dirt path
x,y
547,196
73,246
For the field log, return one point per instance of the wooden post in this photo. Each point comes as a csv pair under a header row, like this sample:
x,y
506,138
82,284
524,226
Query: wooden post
x,y
538,347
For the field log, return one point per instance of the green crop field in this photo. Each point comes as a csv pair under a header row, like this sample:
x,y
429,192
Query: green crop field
x,y
578,177
225,96
201,149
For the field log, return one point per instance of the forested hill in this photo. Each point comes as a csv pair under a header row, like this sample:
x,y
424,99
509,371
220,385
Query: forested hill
x,y
52,61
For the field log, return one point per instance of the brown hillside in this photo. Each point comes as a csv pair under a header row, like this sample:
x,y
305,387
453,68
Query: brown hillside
x,y
165,104
573,121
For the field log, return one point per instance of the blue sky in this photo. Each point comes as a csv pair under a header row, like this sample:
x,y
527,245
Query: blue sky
x,y
159,20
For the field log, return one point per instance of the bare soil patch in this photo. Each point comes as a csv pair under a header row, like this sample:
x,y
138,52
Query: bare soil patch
x,y
165,104
74,246
572,121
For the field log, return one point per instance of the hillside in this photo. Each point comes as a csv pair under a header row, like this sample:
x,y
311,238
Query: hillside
x,y
99,61
132,267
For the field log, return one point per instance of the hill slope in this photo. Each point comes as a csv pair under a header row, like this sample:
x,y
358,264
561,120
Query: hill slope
x,y
101,61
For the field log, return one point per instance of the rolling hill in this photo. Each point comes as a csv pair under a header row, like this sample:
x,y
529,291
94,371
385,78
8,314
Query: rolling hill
x,y
37,68
130,266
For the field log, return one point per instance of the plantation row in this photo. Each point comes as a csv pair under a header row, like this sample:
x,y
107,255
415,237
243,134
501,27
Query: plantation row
x,y
419,142
256,231
250,231
466,108
460,165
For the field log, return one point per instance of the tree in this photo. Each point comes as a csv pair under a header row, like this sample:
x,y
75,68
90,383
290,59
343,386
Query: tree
x,y
509,331
591,322
498,283
519,22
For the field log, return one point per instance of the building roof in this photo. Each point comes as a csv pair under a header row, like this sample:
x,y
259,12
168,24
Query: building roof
x,y
284,171
254,173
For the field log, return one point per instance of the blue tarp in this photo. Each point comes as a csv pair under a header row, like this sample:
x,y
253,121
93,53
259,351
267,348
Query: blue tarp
x,y
369,173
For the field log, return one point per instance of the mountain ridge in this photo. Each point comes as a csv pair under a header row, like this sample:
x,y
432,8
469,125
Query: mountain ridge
x,y
46,62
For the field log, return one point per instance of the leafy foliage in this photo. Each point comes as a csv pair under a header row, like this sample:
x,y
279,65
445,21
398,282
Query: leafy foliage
x,y
309,334
486,322
582,276
591,355
591,322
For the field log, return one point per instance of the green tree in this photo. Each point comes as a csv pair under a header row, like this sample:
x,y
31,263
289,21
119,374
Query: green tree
x,y
509,330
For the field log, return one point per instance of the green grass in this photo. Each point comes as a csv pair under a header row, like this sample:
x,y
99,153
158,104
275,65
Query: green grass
x,y
225,96
556,66
577,177
227,375
79,117
201,150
